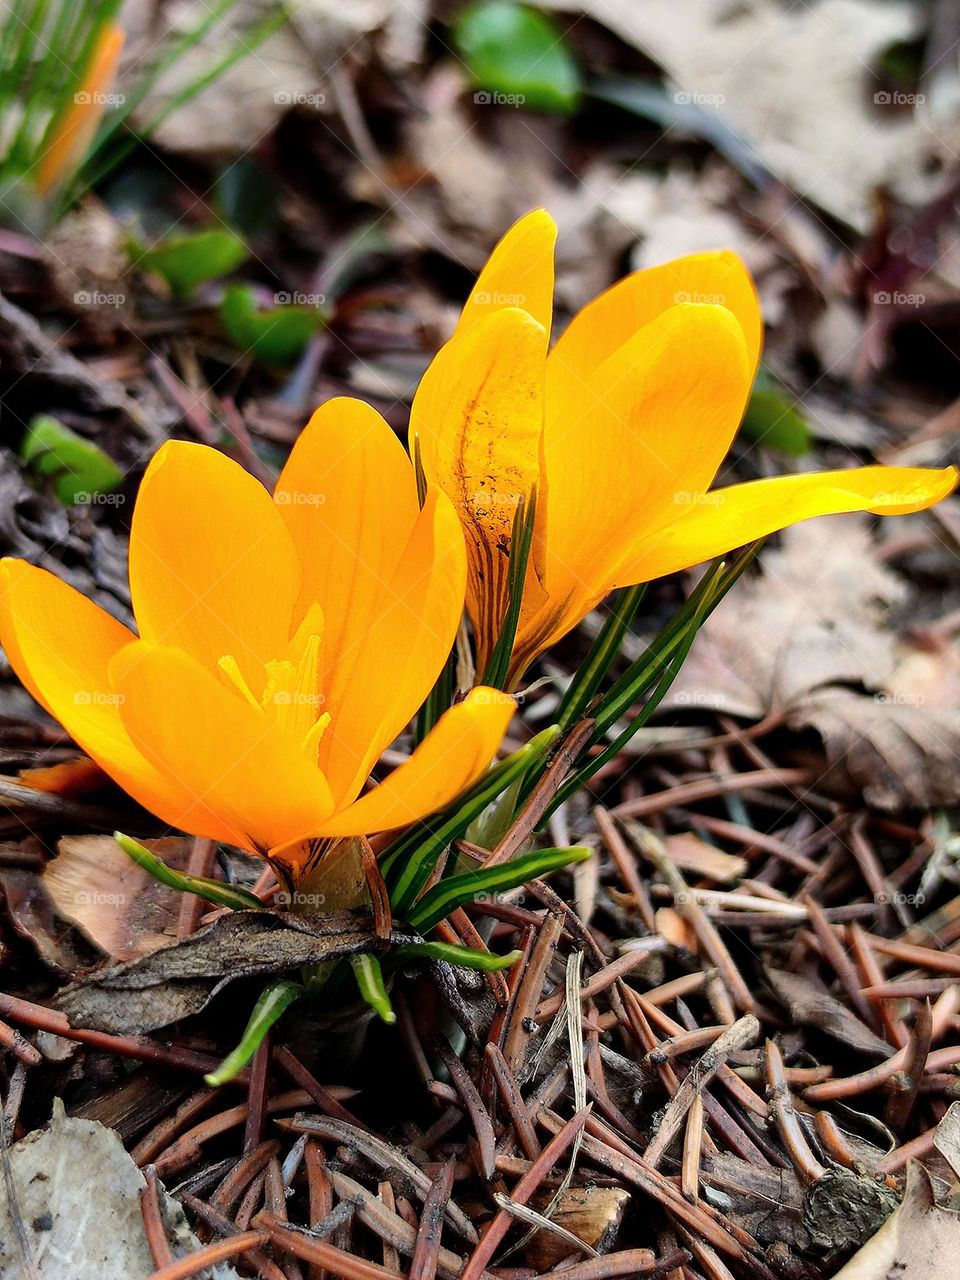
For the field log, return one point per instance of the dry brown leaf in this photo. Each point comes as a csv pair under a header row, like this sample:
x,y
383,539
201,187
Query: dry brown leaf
x,y
919,1241
690,853
291,68
32,917
810,638
947,1137
810,1004
177,981
71,1225
480,186
120,907
797,82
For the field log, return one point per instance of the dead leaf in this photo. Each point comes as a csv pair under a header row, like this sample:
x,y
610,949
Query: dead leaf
x,y
593,1214
690,853
32,917
120,907
919,1241
290,69
797,82
811,638
180,980
812,1005
947,1137
72,1226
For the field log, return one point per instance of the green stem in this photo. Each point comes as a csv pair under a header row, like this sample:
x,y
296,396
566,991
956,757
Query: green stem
x,y
369,976
273,1003
224,895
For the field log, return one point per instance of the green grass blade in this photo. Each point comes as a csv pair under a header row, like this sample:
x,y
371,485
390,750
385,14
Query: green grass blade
x,y
603,653
272,1005
717,583
641,674
369,976
224,895
439,699
409,863
450,953
105,155
438,902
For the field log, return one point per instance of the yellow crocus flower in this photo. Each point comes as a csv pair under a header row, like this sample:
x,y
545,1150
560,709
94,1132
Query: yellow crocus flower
x,y
284,643
620,428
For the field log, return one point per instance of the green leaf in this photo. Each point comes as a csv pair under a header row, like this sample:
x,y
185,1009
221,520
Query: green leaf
x,y
521,544
601,656
271,1006
450,953
658,667
669,674
275,335
79,468
224,895
517,56
410,860
437,903
773,419
192,259
369,976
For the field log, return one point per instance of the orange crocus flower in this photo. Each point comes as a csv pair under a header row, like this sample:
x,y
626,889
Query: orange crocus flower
x,y
620,428
72,132
283,644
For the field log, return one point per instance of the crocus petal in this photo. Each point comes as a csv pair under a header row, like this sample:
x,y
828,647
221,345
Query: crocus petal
x,y
348,496
397,659
732,517
455,752
518,273
637,438
60,644
615,316
212,567
225,754
478,414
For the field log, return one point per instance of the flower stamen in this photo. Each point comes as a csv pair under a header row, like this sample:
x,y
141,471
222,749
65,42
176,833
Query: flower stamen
x,y
231,669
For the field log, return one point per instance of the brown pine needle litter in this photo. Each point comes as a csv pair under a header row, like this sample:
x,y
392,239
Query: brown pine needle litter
x,y
714,1093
